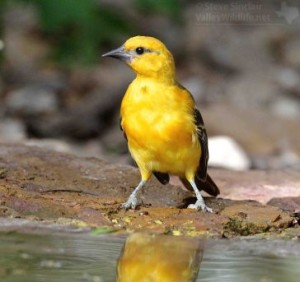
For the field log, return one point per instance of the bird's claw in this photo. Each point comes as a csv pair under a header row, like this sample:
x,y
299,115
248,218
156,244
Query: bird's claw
x,y
132,203
199,205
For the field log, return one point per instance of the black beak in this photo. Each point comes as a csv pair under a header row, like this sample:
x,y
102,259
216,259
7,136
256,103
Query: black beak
x,y
119,53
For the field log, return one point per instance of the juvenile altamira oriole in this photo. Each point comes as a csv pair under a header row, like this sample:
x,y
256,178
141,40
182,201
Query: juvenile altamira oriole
x,y
164,130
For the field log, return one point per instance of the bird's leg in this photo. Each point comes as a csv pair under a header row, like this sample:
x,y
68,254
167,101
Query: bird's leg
x,y
200,204
133,200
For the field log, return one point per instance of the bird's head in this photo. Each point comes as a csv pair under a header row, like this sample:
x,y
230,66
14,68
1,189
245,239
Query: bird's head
x,y
147,56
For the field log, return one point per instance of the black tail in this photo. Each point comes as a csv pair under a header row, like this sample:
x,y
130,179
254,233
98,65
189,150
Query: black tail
x,y
209,186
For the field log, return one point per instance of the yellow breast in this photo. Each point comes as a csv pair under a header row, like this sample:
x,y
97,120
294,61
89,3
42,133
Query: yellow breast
x,y
159,124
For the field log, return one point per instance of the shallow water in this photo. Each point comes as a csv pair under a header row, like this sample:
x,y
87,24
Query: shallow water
x,y
84,257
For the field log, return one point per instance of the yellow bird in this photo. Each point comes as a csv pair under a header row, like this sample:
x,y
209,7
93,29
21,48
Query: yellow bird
x,y
164,130
151,257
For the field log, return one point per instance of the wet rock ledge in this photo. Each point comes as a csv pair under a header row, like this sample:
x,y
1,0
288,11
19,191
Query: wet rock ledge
x,y
43,187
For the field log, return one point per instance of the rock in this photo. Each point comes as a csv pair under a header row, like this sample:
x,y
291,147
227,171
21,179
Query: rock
x,y
285,158
12,130
225,152
41,174
40,185
250,219
14,223
256,185
286,203
251,90
31,100
258,132
88,149
85,119
288,78
229,49
50,144
286,107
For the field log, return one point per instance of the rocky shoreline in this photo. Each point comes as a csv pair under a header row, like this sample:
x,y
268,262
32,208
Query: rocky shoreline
x,y
40,188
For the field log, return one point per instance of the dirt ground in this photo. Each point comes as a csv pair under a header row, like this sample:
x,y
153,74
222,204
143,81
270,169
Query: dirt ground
x,y
46,187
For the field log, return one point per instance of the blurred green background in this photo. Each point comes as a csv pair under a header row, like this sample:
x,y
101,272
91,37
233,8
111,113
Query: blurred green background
x,y
77,30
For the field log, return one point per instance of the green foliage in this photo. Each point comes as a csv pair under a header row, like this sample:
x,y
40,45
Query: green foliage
x,y
169,8
76,29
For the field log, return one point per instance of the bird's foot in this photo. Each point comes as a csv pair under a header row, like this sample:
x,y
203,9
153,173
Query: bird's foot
x,y
200,205
132,203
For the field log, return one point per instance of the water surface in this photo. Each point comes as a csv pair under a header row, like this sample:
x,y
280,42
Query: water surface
x,y
86,257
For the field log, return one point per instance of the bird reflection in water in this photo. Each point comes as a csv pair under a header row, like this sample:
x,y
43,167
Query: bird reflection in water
x,y
154,258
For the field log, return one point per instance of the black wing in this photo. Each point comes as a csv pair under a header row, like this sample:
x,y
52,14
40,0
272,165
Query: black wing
x,y
124,133
202,179
202,137
163,178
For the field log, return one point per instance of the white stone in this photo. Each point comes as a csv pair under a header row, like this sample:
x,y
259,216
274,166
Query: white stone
x,y
225,152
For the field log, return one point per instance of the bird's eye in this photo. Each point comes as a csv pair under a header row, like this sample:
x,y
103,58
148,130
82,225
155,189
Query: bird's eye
x,y
139,50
